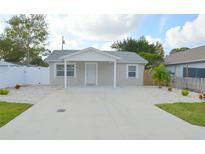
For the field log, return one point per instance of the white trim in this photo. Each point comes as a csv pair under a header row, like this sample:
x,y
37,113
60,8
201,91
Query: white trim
x,y
55,65
96,74
96,71
184,62
65,74
136,70
114,74
85,75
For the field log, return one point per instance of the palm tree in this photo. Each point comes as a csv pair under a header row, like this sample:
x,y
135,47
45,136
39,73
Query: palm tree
x,y
160,75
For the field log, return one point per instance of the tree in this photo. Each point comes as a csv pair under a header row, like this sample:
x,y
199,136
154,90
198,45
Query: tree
x,y
153,53
38,61
159,49
178,50
30,31
160,75
130,44
154,59
11,51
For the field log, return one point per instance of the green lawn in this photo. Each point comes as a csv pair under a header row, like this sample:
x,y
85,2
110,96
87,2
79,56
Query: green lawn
x,y
9,111
193,113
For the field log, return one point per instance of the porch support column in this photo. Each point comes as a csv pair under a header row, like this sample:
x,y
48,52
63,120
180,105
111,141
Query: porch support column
x,y
114,76
65,74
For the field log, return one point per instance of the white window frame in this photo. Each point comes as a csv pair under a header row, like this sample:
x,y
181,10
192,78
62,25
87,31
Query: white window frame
x,y
136,71
55,73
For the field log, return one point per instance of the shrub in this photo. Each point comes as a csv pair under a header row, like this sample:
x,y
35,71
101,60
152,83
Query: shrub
x,y
201,96
160,75
169,88
17,86
4,91
185,92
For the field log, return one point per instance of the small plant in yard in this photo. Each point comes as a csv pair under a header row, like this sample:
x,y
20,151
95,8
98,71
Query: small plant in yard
x,y
185,92
18,86
4,91
201,96
169,88
160,75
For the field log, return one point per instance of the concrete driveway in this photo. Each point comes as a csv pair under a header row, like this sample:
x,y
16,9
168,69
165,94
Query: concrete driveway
x,y
103,113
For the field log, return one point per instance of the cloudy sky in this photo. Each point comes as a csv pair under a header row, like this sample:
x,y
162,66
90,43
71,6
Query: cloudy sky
x,y
100,31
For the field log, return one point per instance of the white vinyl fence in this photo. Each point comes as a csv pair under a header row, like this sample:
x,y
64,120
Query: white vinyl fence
x,y
10,76
195,84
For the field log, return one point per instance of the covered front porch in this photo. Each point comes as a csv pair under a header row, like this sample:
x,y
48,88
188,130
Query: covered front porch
x,y
93,68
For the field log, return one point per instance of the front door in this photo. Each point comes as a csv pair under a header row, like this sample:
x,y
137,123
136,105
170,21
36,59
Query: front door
x,y
91,74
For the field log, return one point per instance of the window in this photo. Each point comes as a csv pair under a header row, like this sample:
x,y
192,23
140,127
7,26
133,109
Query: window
x,y
70,70
59,70
132,71
194,72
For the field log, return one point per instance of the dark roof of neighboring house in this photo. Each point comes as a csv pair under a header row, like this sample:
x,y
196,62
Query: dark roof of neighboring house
x,y
192,55
125,56
4,63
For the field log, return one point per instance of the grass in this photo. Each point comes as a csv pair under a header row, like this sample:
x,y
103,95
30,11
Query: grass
x,y
9,111
193,113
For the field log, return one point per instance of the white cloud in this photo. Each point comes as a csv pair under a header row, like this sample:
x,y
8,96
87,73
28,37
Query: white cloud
x,y
83,28
190,34
55,43
2,26
95,27
3,23
151,39
105,46
95,45
162,24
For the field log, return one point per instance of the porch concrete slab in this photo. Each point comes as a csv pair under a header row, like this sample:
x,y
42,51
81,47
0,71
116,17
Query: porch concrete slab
x,y
103,113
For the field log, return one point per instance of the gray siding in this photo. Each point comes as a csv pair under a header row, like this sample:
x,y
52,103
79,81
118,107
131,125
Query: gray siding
x,y
105,75
73,81
178,68
122,79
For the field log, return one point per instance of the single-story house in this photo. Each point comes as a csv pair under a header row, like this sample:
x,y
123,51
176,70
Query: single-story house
x,y
91,66
189,63
7,64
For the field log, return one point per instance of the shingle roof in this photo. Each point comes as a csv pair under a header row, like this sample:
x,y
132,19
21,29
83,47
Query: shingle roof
x,y
125,57
3,63
191,55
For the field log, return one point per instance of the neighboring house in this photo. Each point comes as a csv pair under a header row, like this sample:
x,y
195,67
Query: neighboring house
x,y
7,64
189,63
91,66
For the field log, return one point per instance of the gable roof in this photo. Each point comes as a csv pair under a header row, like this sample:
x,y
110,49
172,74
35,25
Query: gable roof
x,y
191,55
90,49
124,56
